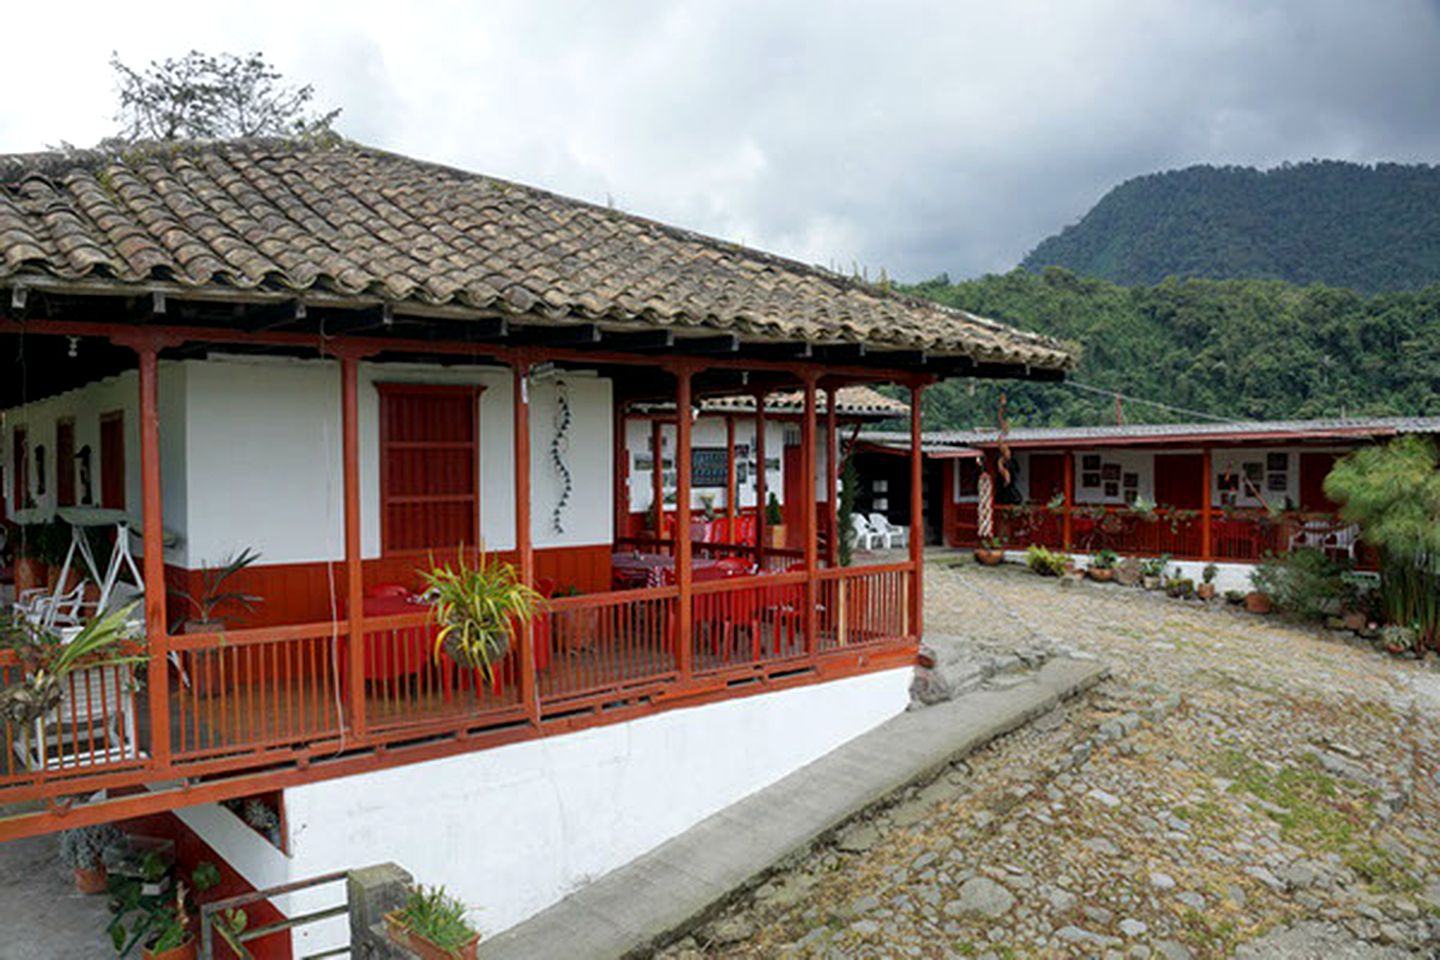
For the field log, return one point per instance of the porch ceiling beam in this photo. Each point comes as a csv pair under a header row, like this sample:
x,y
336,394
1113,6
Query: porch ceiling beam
x,y
570,335
798,350
638,340
841,352
724,343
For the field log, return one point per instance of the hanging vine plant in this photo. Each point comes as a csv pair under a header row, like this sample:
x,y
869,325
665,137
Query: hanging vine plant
x,y
559,447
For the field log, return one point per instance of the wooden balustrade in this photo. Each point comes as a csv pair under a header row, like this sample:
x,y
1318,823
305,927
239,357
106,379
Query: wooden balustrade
x,y
265,699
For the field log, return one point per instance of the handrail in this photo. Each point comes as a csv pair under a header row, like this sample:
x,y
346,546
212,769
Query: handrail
x,y
236,942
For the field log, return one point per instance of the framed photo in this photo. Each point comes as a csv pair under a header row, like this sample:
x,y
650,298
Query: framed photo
x,y
1112,489
1277,461
1277,482
645,462
1111,471
1229,482
1090,480
772,464
1132,481
1090,462
742,472
1131,496
878,486
1254,470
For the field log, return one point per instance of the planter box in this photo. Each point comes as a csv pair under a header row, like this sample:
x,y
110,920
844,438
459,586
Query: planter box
x,y
1257,603
1101,574
400,933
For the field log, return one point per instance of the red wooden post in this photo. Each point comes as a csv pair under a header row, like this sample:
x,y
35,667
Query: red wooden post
x,y
524,551
917,518
657,479
807,487
832,478
683,613
354,569
761,475
1067,535
730,510
1207,544
153,532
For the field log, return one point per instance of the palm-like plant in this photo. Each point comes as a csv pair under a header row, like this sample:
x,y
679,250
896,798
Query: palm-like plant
x,y
477,609
106,641
212,595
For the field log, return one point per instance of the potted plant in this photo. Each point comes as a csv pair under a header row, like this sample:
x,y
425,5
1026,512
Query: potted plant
x,y
212,595
1102,566
111,640
1152,571
1205,590
774,522
1045,562
1182,588
1257,602
161,923
575,629
1234,597
991,552
82,848
477,609
432,924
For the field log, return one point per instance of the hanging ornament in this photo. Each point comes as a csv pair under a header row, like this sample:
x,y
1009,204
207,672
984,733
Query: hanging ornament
x,y
559,447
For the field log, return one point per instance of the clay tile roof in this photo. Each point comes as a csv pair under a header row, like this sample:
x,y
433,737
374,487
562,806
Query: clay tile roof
x,y
350,222
851,401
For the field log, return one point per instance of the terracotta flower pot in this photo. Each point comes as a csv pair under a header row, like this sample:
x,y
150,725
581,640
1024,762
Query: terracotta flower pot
x,y
1205,591
988,557
1101,574
189,950
92,880
776,533
1257,602
400,933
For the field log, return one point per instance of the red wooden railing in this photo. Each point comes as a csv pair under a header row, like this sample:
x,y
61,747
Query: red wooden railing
x,y
1237,536
268,699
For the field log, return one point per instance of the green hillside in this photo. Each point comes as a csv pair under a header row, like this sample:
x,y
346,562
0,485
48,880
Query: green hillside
x,y
1240,348
1369,228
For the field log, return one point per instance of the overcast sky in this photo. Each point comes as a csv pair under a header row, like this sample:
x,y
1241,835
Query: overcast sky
x,y
914,137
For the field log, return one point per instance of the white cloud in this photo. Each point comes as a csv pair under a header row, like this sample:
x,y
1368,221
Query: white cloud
x,y
917,137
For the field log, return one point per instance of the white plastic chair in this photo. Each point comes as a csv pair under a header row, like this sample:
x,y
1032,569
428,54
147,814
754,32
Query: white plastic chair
x,y
864,536
894,536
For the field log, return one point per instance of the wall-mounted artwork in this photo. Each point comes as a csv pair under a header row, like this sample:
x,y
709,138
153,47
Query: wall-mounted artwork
x,y
1090,462
1277,482
1111,471
645,463
1091,480
1132,481
1254,471
1112,488
1277,461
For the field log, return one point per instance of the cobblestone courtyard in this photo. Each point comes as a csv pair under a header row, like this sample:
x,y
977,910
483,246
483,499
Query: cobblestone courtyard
x,y
1238,787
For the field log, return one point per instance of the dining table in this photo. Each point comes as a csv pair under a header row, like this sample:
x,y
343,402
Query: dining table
x,y
630,569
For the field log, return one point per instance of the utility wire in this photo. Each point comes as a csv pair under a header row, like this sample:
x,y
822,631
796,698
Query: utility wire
x,y
1114,394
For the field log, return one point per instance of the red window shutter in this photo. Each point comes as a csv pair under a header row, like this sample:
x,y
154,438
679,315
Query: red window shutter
x,y
1180,480
65,463
112,460
20,469
429,466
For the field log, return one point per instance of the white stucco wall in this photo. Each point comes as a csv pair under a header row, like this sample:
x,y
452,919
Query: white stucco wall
x,y
513,829
265,470
85,406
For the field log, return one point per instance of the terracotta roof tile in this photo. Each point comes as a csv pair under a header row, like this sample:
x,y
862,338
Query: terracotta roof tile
x,y
349,221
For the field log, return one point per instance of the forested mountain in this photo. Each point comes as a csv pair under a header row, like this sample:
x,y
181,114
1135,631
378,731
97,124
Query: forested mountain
x,y
1238,348
1340,224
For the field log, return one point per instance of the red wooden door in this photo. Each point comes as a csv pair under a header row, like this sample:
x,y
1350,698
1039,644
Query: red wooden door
x,y
1047,476
1314,468
112,460
793,510
1180,480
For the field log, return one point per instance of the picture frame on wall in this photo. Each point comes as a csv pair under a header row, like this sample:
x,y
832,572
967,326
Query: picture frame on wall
x,y
1255,471
1277,482
645,463
1090,462
1111,471
1091,480
1277,461
1132,481
1112,489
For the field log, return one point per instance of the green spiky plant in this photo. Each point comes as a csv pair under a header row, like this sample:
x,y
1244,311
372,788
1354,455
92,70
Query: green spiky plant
x,y
845,513
212,595
1393,493
478,609
111,640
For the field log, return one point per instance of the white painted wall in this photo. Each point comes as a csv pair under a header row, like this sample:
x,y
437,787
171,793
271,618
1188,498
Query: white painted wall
x,y
512,830
265,470
706,432
1130,461
85,406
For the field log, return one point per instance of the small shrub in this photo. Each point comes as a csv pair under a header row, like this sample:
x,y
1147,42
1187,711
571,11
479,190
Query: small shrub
x,y
1235,597
1209,573
1155,566
437,916
81,847
1045,562
1304,583
1182,587
1105,560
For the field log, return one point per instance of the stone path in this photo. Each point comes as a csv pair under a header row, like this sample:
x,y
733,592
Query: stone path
x,y
1238,785
41,915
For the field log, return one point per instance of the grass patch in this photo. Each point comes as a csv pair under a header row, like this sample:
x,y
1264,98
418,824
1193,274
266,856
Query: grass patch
x,y
1218,937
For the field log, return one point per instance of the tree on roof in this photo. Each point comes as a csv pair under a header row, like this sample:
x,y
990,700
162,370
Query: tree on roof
x,y
203,96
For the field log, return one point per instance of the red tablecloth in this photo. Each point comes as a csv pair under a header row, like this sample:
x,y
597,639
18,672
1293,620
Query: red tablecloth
x,y
630,570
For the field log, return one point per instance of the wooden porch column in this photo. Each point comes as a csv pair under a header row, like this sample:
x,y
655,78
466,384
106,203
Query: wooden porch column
x,y
761,475
657,478
684,618
153,534
524,550
354,569
1207,542
1067,535
730,508
807,480
832,481
917,518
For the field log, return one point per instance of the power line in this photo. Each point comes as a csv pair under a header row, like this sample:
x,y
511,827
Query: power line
x,y
1115,394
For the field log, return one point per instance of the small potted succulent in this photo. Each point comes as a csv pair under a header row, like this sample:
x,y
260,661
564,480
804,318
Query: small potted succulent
x,y
1205,589
82,849
432,924
990,552
1102,566
1180,587
1152,571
